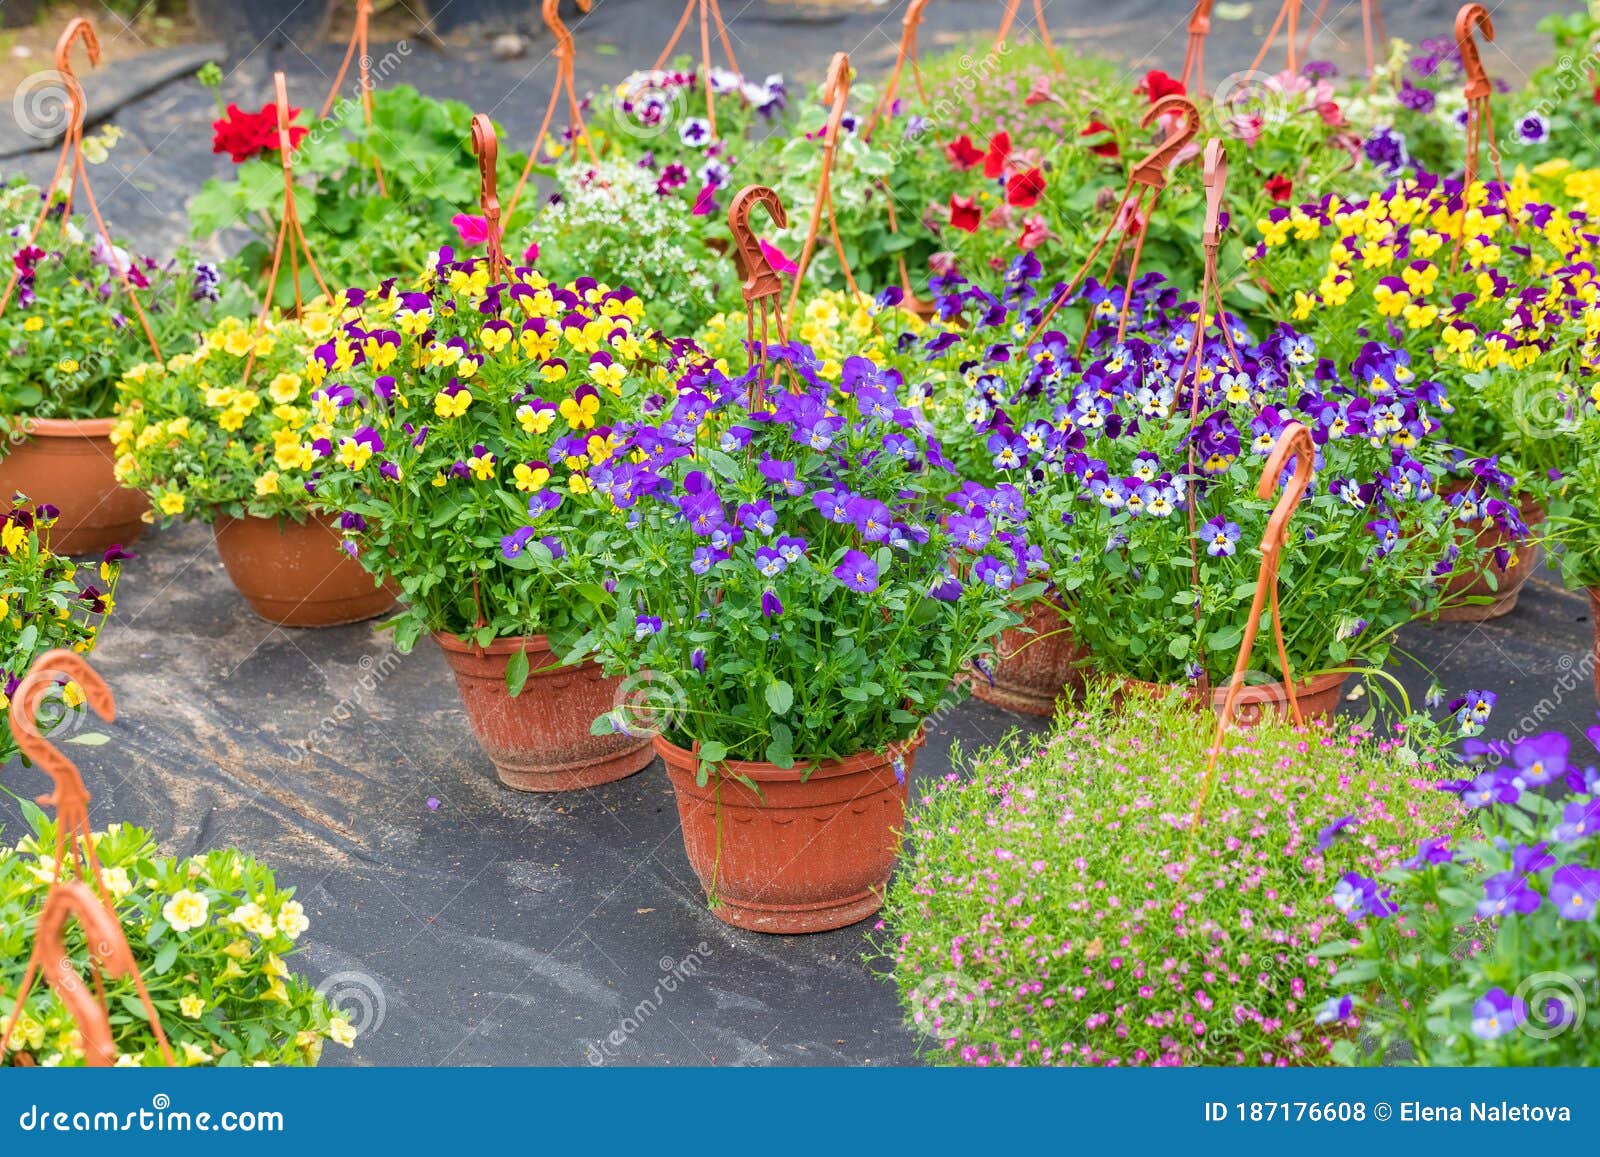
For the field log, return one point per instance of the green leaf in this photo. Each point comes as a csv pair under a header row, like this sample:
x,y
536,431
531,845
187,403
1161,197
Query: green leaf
x,y
780,697
165,958
90,739
517,672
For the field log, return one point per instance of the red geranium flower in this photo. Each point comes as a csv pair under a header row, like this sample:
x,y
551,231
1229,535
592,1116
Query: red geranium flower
x,y
1279,187
244,134
964,214
1157,84
1104,148
999,152
1024,189
963,153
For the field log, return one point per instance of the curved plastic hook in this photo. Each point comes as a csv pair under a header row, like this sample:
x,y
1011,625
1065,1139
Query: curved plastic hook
x,y
77,29
565,48
70,797
1152,171
1216,182
486,146
760,279
1471,18
1293,441
107,945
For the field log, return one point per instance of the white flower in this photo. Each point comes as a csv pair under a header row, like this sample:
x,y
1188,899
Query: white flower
x,y
185,910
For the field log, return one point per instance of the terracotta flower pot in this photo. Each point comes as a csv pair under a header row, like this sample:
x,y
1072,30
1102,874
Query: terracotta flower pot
x,y
1318,697
804,856
1473,582
70,465
1594,622
1032,670
540,740
296,574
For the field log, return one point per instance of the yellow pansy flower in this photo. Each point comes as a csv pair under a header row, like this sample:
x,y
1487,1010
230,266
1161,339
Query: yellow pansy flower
x,y
448,405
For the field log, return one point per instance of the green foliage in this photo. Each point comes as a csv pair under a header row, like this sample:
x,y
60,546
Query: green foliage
x,y
46,602
1487,955
209,934
358,235
69,330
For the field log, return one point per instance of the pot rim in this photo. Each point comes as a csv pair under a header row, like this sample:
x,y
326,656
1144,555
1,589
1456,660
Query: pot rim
x,y
64,427
762,772
505,645
224,519
1309,685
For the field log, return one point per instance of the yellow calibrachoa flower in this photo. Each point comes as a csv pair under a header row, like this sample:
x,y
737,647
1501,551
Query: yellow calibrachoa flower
x,y
186,910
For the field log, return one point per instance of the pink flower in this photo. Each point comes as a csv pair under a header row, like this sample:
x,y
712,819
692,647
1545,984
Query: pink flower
x,y
474,230
1035,232
703,202
531,253
775,258
1040,92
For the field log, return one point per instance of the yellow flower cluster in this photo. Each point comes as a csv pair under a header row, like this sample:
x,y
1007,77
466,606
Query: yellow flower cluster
x,y
201,433
835,324
518,385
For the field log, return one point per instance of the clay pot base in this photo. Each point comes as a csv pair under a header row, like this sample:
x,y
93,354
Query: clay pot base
x,y
533,776
797,920
1508,583
804,856
1039,668
296,575
70,465
539,741
1505,601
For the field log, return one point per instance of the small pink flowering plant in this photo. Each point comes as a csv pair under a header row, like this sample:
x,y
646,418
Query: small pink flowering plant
x,y
1059,910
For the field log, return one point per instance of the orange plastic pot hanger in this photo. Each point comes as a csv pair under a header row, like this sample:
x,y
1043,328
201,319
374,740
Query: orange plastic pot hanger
x,y
710,13
566,55
358,47
1478,89
835,90
1294,441
1003,33
71,158
908,51
1290,11
1194,56
1146,182
487,149
83,895
761,286
291,235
